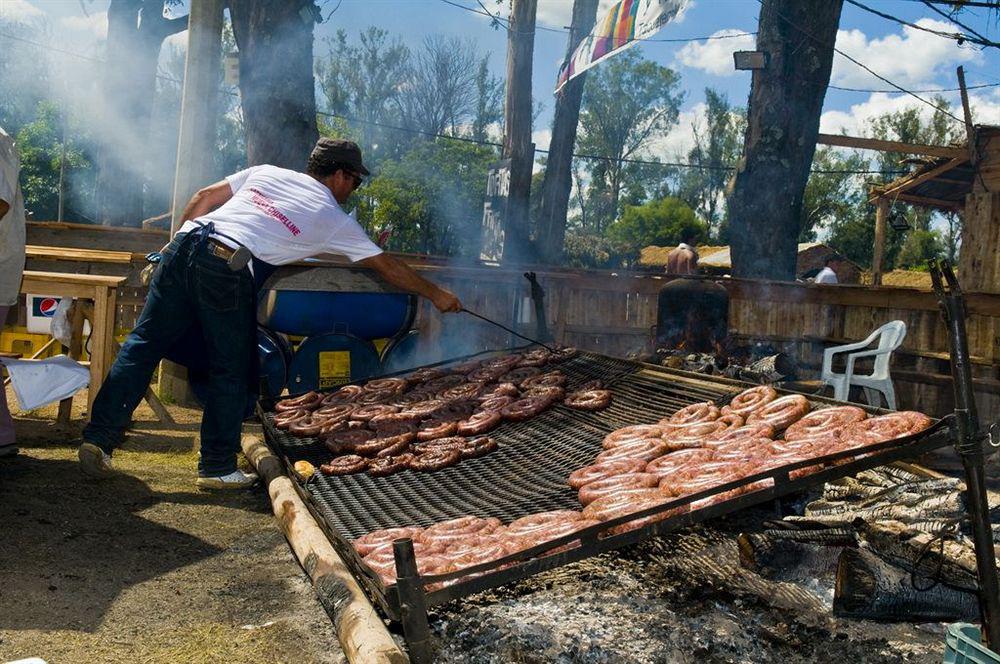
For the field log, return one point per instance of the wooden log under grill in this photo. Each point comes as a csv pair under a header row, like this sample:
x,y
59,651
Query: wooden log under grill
x,y
361,633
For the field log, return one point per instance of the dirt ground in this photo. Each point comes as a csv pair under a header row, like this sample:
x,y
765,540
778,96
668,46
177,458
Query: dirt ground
x,y
144,567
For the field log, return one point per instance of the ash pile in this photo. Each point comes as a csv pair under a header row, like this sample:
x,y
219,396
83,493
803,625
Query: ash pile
x,y
869,570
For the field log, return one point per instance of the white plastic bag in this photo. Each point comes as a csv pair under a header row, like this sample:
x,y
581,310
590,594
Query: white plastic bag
x,y
62,326
40,382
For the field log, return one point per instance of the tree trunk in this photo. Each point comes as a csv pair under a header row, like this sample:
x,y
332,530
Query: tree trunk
x,y
517,125
558,182
136,30
783,120
275,41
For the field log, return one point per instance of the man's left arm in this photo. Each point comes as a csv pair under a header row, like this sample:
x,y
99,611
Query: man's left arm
x,y
401,275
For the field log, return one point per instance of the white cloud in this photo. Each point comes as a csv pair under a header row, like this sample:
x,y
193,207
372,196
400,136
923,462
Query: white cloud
x,y
559,13
854,121
542,138
19,11
910,58
676,144
715,56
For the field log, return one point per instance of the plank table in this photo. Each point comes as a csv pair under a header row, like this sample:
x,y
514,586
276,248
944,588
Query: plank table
x,y
103,292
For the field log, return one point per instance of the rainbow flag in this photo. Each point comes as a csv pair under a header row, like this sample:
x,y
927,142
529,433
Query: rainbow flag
x,y
626,23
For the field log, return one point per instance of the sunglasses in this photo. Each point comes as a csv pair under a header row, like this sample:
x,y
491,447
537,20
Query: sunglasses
x,y
357,178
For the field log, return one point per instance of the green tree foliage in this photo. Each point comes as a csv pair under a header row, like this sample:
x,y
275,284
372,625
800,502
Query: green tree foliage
x,y
377,83
661,222
831,194
628,103
718,145
39,143
919,247
431,198
586,250
361,79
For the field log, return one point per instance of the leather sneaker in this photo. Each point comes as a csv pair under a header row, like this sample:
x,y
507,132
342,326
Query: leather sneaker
x,y
234,480
94,461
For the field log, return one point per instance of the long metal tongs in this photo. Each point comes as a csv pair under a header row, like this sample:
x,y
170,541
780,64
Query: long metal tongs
x,y
972,444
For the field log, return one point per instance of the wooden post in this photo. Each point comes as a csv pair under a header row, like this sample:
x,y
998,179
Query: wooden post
x,y
359,629
75,352
517,144
878,255
195,141
979,259
970,130
199,105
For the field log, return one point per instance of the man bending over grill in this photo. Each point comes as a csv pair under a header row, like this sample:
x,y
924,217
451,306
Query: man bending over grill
x,y
233,231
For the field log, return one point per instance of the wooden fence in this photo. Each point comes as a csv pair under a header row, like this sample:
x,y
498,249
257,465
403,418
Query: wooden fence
x,y
614,313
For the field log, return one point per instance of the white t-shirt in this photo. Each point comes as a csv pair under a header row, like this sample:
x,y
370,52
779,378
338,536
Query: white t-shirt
x,y
826,276
11,224
283,216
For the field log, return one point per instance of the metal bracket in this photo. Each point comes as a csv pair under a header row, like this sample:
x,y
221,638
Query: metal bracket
x,y
992,435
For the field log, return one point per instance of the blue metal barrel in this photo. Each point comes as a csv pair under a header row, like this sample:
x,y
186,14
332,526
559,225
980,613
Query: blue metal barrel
x,y
275,354
328,360
367,316
401,353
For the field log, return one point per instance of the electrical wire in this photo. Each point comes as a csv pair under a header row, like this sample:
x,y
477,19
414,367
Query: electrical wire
x,y
951,17
465,139
957,36
890,91
867,68
505,24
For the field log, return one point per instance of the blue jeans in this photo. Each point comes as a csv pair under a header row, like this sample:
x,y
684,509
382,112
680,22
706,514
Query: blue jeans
x,y
190,286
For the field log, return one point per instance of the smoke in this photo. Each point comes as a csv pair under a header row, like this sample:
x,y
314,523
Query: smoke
x,y
53,72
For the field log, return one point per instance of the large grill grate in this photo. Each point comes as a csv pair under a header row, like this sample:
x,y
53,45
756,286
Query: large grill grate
x,y
528,472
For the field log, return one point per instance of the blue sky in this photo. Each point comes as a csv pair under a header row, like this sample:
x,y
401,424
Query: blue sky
x,y
911,58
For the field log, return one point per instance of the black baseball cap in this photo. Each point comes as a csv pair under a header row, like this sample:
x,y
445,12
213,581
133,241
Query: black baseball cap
x,y
340,151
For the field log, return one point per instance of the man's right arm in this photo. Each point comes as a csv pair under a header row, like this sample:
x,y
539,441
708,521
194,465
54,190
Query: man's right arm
x,y
401,275
206,200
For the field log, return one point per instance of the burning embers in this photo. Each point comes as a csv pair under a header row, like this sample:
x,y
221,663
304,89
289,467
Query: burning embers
x,y
693,315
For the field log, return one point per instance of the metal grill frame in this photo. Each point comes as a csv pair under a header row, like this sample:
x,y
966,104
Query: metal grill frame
x,y
588,542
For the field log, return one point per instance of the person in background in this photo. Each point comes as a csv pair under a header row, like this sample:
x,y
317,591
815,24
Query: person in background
x,y
273,216
684,258
11,261
827,275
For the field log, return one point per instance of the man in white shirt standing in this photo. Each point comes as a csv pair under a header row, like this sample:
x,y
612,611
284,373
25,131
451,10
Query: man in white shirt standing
x,y
277,215
11,260
827,275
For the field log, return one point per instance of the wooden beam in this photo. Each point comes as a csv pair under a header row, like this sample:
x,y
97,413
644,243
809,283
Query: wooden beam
x,y
970,130
881,216
902,185
892,146
929,202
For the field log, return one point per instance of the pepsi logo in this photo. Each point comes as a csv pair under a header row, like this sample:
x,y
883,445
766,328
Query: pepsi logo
x,y
47,307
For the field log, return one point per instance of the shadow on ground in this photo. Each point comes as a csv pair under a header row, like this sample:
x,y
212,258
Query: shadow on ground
x,y
73,519
143,566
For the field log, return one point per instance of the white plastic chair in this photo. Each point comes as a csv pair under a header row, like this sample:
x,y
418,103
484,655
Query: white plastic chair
x,y
889,337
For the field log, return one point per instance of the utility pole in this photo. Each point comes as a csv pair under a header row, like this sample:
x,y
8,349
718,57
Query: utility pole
x,y
517,144
196,139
